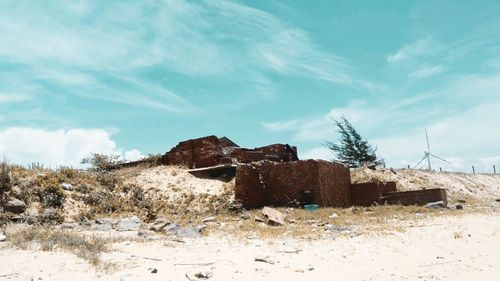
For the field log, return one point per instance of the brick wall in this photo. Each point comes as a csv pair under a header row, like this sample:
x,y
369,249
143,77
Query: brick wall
x,y
283,184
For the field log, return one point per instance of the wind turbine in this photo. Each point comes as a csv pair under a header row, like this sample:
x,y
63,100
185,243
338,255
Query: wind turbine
x,y
428,154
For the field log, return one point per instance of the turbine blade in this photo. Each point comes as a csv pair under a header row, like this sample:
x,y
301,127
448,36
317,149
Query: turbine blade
x,y
440,158
427,138
421,161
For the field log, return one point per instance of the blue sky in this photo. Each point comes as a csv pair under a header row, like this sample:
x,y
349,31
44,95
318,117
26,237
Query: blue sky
x,y
136,77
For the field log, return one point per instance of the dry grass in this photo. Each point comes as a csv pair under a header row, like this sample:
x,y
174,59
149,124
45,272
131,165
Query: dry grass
x,y
87,247
304,224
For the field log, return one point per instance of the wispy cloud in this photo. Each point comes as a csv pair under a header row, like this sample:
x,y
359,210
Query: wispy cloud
x,y
426,71
9,97
421,47
113,50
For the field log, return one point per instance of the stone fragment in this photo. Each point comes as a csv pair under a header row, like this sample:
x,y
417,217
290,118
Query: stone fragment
x,y
129,224
15,206
265,259
273,216
209,219
159,224
67,186
203,275
436,205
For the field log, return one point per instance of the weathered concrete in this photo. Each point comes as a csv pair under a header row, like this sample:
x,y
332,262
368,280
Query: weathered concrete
x,y
293,183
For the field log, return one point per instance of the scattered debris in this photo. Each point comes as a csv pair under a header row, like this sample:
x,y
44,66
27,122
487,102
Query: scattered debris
x,y
265,259
259,219
333,216
209,219
101,227
184,232
311,207
2,238
456,206
159,224
436,205
245,216
203,275
341,229
103,224
67,186
105,221
154,270
273,216
15,206
146,258
290,251
129,224
144,234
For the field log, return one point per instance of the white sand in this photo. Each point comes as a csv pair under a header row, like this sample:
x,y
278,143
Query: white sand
x,y
442,248
172,179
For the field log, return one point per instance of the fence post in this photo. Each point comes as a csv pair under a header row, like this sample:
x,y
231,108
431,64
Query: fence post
x,y
440,169
494,169
408,166
473,170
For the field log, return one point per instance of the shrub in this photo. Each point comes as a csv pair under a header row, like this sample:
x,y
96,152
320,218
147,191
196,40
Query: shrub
x,y
53,196
5,182
104,166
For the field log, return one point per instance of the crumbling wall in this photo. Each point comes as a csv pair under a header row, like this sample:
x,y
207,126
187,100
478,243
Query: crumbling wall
x,y
293,183
212,151
370,193
416,197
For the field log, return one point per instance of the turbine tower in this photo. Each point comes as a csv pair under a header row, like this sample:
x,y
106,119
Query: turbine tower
x,y
428,154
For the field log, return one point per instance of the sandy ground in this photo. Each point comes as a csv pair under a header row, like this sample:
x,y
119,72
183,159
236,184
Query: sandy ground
x,y
475,187
440,248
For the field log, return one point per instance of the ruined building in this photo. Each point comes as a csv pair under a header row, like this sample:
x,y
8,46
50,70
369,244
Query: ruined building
x,y
273,175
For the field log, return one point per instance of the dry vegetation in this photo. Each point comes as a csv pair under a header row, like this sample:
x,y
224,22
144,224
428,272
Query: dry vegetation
x,y
87,247
353,221
103,190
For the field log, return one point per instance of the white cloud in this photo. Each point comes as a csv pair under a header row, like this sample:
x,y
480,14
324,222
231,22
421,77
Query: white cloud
x,y
317,153
133,155
426,71
10,97
57,147
421,47
103,58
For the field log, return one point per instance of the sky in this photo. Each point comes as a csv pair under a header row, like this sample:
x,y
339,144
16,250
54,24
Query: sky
x,y
136,77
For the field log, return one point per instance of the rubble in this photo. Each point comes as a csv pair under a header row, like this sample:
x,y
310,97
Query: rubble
x,y
67,186
159,224
273,216
129,224
15,206
265,259
213,151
